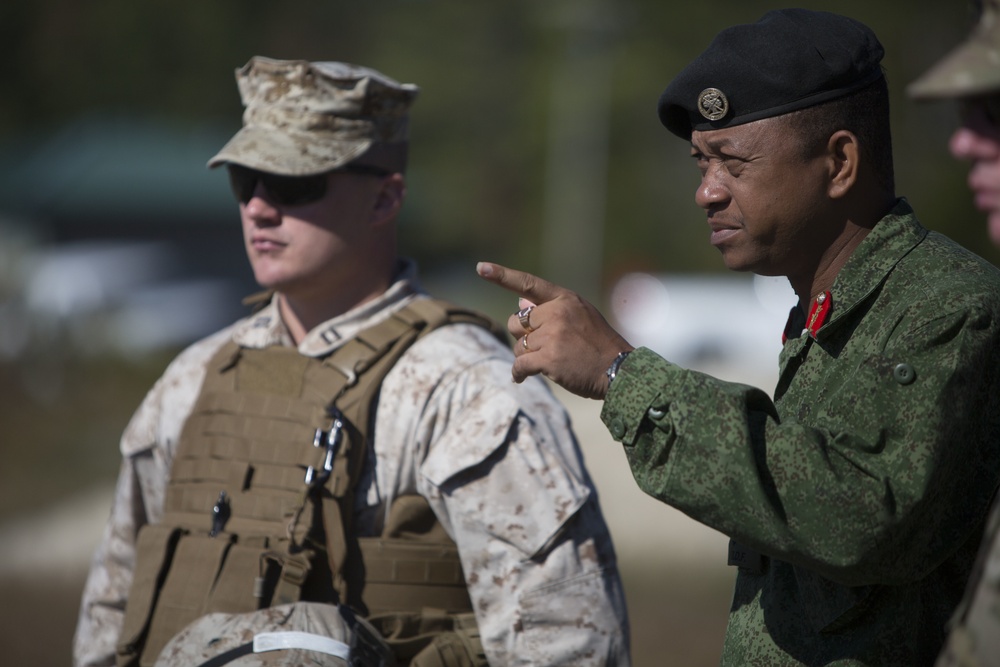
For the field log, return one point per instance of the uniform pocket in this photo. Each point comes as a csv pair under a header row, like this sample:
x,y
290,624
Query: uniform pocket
x,y
196,563
503,476
154,551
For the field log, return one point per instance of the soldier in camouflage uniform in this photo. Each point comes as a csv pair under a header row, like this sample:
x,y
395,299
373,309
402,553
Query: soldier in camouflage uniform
x,y
855,498
318,173
970,74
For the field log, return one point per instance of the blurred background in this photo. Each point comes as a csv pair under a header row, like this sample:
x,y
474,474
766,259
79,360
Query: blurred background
x,y
535,143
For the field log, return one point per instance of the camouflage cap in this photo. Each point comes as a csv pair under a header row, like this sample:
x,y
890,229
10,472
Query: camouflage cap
x,y
972,68
304,118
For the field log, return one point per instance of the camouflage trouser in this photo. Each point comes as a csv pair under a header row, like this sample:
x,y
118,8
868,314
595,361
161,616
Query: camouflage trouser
x,y
974,640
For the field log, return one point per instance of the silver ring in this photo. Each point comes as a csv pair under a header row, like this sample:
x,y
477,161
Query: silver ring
x,y
523,316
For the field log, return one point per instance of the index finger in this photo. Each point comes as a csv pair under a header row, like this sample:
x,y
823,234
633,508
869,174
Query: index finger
x,y
524,284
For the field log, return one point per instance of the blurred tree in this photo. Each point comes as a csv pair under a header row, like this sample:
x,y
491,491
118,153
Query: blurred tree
x,y
485,167
497,153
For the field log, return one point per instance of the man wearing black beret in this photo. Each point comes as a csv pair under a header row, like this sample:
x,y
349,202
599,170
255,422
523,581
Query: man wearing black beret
x,y
855,498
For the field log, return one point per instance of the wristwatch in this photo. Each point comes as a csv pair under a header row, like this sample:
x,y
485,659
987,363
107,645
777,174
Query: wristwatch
x,y
615,365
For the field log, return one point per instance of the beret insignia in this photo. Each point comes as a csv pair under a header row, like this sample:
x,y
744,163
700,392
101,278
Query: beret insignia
x,y
713,104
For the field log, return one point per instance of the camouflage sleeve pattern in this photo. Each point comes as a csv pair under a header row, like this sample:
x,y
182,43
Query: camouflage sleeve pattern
x,y
872,468
831,495
501,468
146,447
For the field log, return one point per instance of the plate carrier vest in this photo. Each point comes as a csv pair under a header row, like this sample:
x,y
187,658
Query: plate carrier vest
x,y
260,498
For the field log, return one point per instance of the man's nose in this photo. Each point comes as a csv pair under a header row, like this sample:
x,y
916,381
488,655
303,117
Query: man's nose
x,y
260,209
710,193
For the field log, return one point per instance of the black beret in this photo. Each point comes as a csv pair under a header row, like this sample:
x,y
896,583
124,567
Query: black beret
x,y
788,60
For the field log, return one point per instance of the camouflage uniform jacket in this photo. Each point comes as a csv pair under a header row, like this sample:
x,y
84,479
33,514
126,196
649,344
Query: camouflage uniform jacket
x,y
866,481
497,462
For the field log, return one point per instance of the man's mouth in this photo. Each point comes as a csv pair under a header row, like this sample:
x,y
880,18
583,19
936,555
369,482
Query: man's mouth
x,y
722,233
265,244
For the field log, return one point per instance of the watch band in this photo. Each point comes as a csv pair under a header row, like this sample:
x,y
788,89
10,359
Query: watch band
x,y
615,365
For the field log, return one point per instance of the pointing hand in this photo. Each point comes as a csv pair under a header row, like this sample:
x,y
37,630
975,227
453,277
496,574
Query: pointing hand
x,y
559,334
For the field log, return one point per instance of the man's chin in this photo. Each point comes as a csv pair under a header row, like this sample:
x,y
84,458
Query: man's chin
x,y
270,282
269,273
734,262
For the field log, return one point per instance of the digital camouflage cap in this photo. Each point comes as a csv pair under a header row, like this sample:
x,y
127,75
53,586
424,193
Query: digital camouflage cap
x,y
303,118
972,68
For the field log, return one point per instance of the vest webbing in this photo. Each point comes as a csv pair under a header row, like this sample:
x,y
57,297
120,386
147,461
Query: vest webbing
x,y
242,529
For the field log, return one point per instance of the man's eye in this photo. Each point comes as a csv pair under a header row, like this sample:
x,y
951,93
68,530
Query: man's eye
x,y
734,166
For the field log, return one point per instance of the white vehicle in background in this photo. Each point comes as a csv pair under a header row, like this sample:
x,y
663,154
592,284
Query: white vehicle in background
x,y
728,325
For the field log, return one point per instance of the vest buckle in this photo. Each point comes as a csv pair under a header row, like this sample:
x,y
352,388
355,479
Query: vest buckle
x,y
331,440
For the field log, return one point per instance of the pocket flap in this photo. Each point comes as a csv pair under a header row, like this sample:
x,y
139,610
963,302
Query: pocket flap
x,y
471,437
505,476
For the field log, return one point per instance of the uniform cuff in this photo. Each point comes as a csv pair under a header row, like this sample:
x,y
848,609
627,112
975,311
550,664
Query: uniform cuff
x,y
641,379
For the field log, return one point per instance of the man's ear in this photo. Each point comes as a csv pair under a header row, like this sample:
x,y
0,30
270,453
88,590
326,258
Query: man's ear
x,y
844,154
389,199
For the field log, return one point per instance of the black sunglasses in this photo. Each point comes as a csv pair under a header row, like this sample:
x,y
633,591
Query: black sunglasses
x,y
288,190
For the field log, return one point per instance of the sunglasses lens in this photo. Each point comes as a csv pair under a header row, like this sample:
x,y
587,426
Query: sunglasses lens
x,y
294,190
281,190
243,182
365,170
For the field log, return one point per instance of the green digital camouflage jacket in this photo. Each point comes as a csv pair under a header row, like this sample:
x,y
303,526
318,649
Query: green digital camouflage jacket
x,y
866,481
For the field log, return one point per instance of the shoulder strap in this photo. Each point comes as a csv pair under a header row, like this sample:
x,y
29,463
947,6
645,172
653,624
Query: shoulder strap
x,y
364,361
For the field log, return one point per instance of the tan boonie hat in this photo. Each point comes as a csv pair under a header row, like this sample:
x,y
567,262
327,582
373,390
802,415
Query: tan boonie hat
x,y
972,68
305,118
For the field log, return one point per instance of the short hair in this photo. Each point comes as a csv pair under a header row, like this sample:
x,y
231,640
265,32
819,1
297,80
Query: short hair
x,y
865,113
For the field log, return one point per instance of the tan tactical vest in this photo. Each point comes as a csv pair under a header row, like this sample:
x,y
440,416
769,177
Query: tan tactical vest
x,y
258,506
